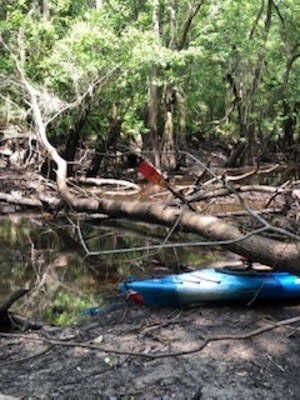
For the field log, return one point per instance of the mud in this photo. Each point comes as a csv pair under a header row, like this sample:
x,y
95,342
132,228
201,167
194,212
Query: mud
x,y
206,352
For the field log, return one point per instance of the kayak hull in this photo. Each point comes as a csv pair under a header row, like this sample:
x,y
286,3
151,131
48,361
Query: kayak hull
x,y
212,285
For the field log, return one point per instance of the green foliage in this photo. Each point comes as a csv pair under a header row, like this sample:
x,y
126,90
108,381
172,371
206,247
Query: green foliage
x,y
65,308
79,44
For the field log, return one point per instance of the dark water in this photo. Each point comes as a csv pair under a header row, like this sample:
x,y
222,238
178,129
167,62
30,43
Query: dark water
x,y
49,257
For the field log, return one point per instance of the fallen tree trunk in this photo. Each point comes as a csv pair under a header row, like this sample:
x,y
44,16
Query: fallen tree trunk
x,y
279,254
275,253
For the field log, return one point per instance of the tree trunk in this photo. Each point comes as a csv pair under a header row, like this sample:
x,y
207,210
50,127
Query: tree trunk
x,y
236,156
7,321
277,254
257,19
289,125
74,134
98,4
168,142
245,99
168,158
194,9
181,137
251,135
103,146
151,142
152,138
46,12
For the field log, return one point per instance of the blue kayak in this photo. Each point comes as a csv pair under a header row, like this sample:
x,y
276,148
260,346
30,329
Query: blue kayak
x,y
210,285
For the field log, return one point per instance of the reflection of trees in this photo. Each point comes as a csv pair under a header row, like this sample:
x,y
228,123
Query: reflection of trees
x,y
122,234
13,264
62,276
48,258
36,256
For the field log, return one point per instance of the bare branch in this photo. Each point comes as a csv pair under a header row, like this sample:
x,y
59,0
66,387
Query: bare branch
x,y
187,25
258,17
96,84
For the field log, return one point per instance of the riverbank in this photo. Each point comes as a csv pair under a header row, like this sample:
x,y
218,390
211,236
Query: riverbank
x,y
135,352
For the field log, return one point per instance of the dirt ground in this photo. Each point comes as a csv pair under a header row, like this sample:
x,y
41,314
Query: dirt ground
x,y
206,352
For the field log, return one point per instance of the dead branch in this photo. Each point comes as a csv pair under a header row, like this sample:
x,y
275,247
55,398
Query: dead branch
x,y
20,200
123,187
243,213
11,300
9,320
223,192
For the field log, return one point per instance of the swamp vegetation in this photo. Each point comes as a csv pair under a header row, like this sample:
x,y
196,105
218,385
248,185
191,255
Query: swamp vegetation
x,y
207,92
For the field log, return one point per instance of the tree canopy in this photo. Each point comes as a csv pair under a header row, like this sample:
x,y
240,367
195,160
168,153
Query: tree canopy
x,y
234,65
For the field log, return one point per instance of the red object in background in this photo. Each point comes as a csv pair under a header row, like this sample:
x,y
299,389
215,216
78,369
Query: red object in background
x,y
246,262
151,173
135,297
154,176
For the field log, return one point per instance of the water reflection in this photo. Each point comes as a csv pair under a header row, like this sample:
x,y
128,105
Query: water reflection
x,y
48,257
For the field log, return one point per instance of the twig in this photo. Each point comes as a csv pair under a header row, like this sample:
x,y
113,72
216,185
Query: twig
x,y
280,367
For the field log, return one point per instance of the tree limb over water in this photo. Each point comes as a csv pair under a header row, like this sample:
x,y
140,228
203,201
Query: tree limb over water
x,y
283,254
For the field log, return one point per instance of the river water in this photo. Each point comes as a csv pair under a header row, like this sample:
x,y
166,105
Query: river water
x,y
49,257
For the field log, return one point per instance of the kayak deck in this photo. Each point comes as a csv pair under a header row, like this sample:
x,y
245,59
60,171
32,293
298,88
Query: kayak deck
x,y
210,284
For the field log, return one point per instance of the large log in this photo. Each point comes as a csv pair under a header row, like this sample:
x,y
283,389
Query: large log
x,y
275,253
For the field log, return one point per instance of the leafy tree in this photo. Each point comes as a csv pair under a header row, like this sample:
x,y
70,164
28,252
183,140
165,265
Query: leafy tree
x,y
223,69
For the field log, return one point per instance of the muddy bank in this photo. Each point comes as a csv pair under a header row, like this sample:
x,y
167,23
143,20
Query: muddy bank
x,y
135,352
